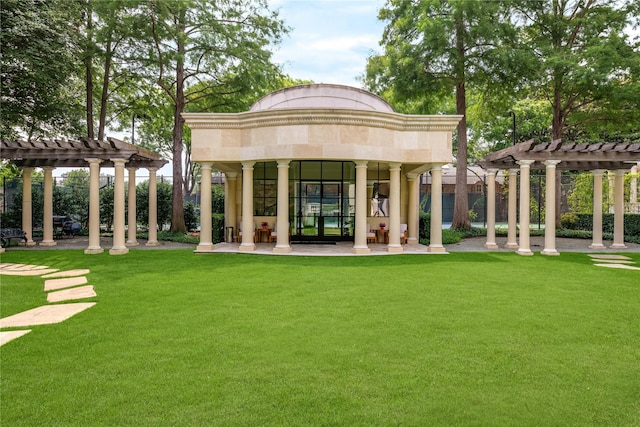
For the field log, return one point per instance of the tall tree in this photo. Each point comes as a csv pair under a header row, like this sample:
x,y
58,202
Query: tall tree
x,y
585,65
221,43
39,69
436,49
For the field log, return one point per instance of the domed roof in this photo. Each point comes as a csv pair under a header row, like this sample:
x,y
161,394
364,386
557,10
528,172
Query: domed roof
x,y
321,96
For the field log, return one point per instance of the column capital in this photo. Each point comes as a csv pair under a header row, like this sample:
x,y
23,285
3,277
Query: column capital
x,y
248,165
361,163
48,168
598,172
525,163
551,163
412,176
205,165
436,167
152,169
118,162
395,166
513,171
492,171
132,168
621,172
27,169
231,175
283,163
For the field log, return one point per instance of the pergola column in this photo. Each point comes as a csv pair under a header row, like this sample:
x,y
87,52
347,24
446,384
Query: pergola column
x,y
119,247
394,208
47,225
153,208
435,241
491,209
27,205
360,234
618,213
230,207
512,239
612,185
550,209
247,208
282,221
524,247
597,209
94,207
132,223
206,243
413,214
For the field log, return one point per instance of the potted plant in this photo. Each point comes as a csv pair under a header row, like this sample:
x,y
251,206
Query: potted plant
x,y
264,225
382,225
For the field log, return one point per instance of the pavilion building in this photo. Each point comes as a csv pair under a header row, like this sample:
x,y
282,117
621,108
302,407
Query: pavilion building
x,y
321,163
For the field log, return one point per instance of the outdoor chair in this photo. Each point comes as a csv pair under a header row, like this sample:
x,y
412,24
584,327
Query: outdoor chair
x,y
371,235
404,233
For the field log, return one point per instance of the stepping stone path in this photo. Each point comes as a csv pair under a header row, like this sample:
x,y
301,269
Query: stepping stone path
x,y
61,286
613,261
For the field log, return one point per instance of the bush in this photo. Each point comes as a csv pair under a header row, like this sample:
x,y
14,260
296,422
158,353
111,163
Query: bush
x,y
217,228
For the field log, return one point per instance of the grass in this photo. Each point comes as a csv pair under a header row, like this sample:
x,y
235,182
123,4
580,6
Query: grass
x,y
237,339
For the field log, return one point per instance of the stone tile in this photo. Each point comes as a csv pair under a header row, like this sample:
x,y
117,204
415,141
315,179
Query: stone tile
x,y
623,266
613,261
11,272
53,284
7,336
68,273
71,294
605,256
45,315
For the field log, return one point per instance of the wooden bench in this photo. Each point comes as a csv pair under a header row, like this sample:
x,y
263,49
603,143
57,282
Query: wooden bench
x,y
6,234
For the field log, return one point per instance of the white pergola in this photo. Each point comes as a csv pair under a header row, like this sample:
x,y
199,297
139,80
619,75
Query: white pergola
x,y
617,158
49,154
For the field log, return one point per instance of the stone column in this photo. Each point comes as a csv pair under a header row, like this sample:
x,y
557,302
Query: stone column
x,y
435,241
206,243
612,178
47,225
153,208
247,208
394,208
27,205
413,215
360,234
231,212
282,221
94,207
597,210
618,216
524,247
119,247
550,209
491,209
132,223
512,239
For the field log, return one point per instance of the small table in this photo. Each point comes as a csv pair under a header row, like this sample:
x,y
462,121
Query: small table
x,y
382,236
263,234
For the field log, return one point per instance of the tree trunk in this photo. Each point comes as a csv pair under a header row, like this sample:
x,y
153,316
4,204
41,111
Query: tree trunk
x,y
105,92
89,75
177,204
461,201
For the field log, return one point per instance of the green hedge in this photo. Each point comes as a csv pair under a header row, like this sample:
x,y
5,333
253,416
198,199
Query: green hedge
x,y
584,221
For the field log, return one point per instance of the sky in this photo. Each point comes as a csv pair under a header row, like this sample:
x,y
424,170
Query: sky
x,y
330,40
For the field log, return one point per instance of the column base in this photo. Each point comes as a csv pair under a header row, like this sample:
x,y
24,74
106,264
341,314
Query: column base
x,y
1,250
282,249
395,248
247,247
30,243
132,243
152,243
118,251
511,245
205,247
437,249
550,252
524,252
491,245
618,246
412,241
48,243
92,251
597,246
360,250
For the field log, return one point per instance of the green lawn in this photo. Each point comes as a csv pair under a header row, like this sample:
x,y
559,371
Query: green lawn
x,y
178,339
